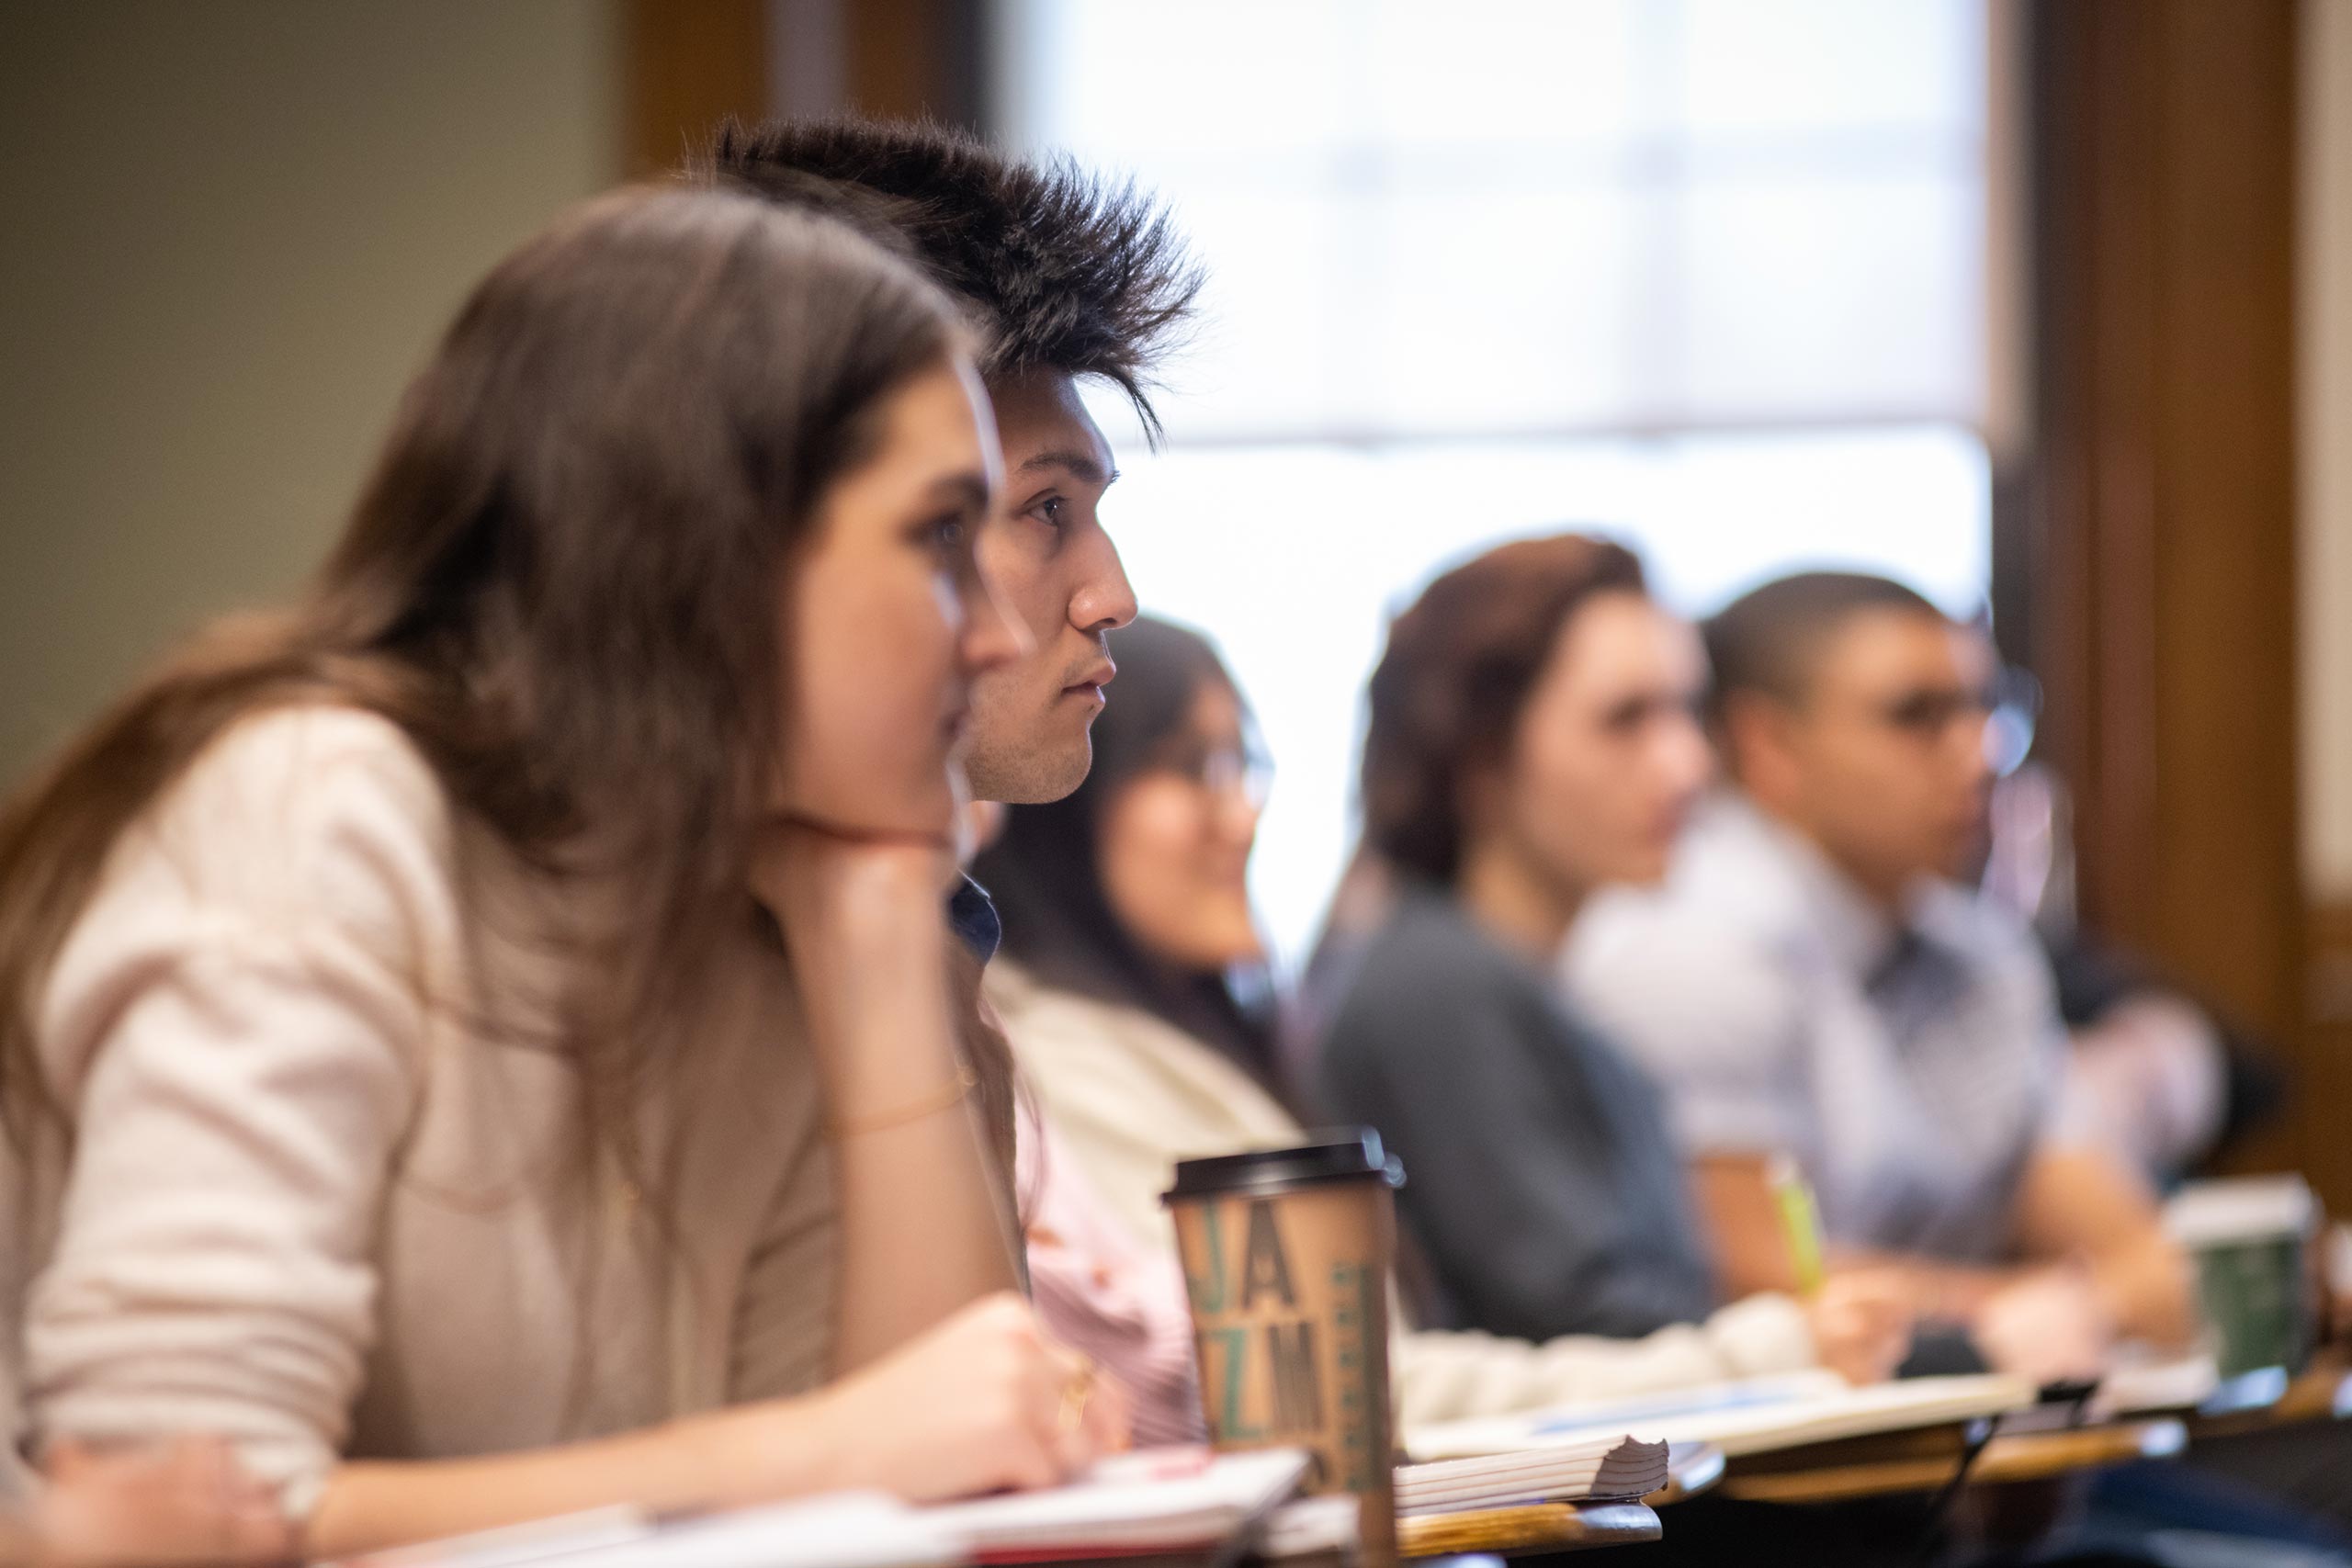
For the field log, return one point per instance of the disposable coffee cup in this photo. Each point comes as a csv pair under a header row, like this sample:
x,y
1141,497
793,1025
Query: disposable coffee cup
x,y
2250,1237
1287,1256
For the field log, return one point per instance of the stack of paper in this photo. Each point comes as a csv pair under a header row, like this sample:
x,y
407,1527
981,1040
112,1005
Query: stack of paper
x,y
1154,1501
855,1529
1740,1418
1613,1470
2137,1385
1163,1500
1331,1525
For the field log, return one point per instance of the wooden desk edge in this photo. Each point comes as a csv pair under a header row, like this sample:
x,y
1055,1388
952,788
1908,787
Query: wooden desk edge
x,y
1941,1442
2027,1456
1541,1527
2322,1391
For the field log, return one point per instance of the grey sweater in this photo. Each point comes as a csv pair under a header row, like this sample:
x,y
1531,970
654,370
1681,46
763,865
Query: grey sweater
x,y
1540,1179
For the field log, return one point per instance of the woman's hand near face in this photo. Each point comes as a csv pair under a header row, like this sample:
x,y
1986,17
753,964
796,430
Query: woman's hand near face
x,y
863,920
831,887
925,1222
886,622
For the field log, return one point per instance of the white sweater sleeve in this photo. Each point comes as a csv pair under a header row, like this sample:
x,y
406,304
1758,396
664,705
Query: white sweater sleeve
x,y
1450,1376
237,1026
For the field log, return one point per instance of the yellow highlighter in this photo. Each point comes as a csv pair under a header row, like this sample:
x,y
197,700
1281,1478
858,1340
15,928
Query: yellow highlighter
x,y
1800,1220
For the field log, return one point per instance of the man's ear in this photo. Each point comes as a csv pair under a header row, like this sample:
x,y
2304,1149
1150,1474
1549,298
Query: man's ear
x,y
1758,744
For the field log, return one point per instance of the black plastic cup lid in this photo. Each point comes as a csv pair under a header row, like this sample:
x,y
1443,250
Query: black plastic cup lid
x,y
1343,1154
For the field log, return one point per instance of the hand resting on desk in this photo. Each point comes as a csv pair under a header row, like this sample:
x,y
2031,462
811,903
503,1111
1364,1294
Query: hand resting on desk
x,y
183,1502
2049,1325
1862,1325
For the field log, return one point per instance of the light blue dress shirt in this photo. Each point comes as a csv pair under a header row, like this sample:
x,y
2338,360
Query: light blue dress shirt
x,y
1911,1068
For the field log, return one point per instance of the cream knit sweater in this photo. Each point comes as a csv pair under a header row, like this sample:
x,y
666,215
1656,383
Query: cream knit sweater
x,y
1127,1096
318,1205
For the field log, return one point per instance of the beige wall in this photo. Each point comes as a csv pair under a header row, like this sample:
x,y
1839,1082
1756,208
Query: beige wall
x,y
2325,440
232,230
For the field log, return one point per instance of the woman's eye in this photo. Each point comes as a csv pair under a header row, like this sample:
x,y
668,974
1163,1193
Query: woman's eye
x,y
948,535
1049,511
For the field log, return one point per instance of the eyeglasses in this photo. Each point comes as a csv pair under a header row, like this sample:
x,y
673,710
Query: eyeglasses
x,y
1222,772
2008,708
2010,727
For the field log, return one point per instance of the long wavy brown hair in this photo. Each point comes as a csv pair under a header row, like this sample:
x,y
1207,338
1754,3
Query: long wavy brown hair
x,y
561,582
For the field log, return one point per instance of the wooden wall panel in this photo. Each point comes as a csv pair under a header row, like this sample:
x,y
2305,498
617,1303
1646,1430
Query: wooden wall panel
x,y
687,64
2324,1076
918,59
2161,519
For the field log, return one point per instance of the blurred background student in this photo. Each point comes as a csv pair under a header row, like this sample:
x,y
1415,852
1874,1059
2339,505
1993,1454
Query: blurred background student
x,y
1813,982
1132,982
1530,739
477,1040
2172,1084
1132,989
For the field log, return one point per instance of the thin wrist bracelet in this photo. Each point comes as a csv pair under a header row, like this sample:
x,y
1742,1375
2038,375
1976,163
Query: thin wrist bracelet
x,y
929,1104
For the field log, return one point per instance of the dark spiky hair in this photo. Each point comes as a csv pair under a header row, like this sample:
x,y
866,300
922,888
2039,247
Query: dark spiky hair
x,y
1058,270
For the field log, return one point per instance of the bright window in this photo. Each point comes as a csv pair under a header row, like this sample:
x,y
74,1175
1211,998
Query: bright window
x,y
1705,274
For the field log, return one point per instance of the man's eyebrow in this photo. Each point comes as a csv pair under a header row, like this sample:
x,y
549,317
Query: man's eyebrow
x,y
1084,466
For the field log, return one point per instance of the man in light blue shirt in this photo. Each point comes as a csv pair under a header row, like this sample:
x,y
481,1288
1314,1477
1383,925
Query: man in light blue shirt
x,y
1813,982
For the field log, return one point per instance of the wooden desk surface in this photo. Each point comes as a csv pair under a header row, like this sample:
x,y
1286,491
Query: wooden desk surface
x,y
1917,1461
1946,1439
2323,1392
1542,1526
2025,1457
1691,1469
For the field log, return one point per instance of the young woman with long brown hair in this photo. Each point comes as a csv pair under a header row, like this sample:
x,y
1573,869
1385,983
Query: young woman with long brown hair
x,y
477,1041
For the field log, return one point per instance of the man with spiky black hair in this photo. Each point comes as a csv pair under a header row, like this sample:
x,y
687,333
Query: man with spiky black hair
x,y
1065,278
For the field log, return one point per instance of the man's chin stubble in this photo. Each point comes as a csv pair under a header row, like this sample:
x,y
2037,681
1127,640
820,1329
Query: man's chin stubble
x,y
1037,775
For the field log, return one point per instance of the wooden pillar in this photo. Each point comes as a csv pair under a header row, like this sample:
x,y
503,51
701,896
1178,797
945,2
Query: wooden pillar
x,y
687,64
918,59
2162,518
